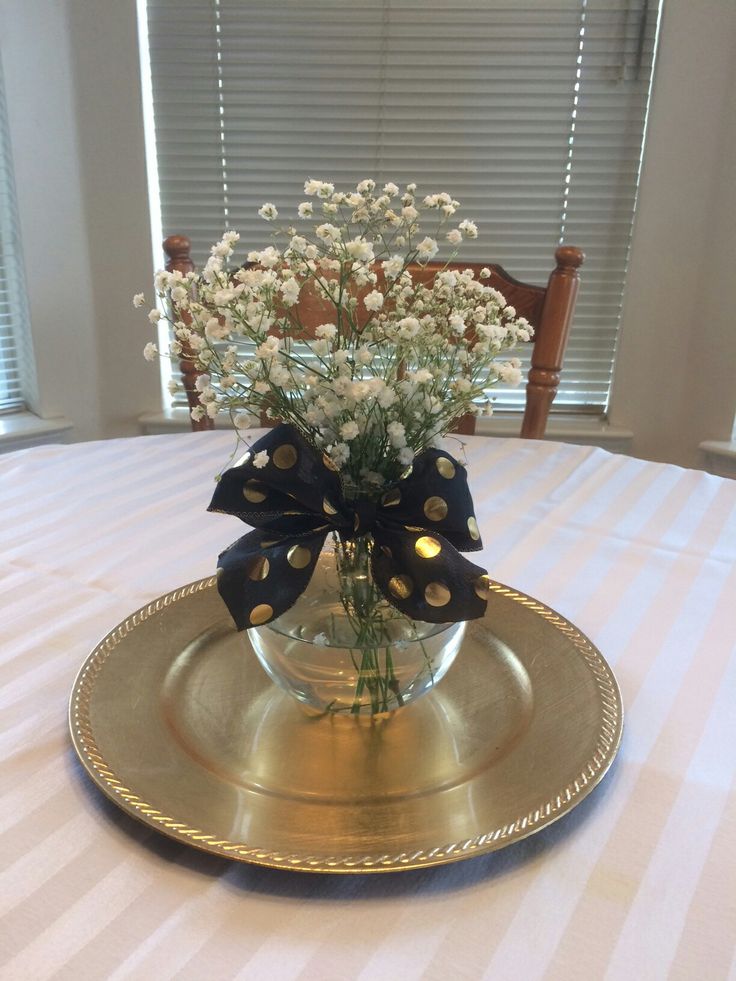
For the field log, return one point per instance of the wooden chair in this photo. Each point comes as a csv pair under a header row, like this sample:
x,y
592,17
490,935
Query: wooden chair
x,y
548,309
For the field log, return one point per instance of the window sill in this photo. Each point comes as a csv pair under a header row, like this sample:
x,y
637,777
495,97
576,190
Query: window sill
x,y
567,428
720,457
19,430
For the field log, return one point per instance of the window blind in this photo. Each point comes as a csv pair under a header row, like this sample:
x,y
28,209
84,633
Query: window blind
x,y
13,307
532,114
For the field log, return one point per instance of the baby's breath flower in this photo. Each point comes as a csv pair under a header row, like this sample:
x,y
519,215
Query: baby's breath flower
x,y
398,355
139,299
154,316
150,351
260,460
268,211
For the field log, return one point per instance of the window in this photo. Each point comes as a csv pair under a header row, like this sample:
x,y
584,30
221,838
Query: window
x,y
13,305
531,114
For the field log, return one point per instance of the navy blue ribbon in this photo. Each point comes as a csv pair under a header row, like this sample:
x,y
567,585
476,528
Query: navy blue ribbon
x,y
417,526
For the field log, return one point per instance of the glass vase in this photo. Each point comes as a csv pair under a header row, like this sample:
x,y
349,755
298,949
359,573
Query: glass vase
x,y
344,649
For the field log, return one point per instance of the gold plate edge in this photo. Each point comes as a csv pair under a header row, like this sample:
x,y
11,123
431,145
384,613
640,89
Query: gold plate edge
x,y
608,742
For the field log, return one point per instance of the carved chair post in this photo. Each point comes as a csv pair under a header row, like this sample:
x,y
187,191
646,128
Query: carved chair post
x,y
550,341
178,257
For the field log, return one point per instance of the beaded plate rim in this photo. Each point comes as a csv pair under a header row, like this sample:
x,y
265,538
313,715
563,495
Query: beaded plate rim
x,y
608,740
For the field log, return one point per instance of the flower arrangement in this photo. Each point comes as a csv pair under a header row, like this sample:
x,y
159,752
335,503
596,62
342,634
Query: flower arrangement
x,y
403,348
368,352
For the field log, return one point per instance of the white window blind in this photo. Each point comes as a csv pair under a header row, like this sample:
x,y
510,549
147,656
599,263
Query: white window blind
x,y
13,307
531,113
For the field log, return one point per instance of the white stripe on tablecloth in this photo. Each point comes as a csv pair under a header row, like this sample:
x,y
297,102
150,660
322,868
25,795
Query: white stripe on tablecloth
x,y
661,904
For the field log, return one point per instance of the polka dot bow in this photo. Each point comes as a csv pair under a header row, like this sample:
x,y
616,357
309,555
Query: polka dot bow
x,y
296,499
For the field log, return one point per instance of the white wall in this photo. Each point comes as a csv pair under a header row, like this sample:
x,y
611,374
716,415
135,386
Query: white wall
x,y
675,382
73,92
73,89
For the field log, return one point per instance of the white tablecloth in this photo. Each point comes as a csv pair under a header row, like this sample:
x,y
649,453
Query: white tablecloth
x,y
638,882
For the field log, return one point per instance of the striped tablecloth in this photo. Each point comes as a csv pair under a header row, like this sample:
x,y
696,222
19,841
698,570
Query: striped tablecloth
x,y
638,882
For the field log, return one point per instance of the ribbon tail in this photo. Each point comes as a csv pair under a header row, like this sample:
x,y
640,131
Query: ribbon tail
x,y
423,575
261,576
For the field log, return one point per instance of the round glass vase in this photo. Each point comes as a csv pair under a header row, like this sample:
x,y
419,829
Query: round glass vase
x,y
343,649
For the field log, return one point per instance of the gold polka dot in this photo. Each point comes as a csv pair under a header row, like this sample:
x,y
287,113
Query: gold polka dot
x,y
329,463
261,613
445,467
401,586
259,568
254,492
437,594
435,508
482,586
285,456
327,507
391,498
387,551
473,529
299,556
427,547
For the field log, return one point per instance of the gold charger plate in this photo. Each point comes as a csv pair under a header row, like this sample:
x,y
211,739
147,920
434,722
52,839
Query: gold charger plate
x,y
174,719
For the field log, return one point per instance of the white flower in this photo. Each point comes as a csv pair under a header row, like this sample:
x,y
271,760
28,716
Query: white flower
x,y
409,213
328,232
290,292
422,376
396,434
340,454
260,460
216,329
349,430
406,455
298,244
427,249
392,267
154,316
173,386
150,351
409,327
203,383
386,397
457,325
469,228
139,299
312,187
485,272
366,186
373,301
326,331
364,356
197,413
390,189
509,373
455,236
268,211
305,209
359,249
269,348
463,385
